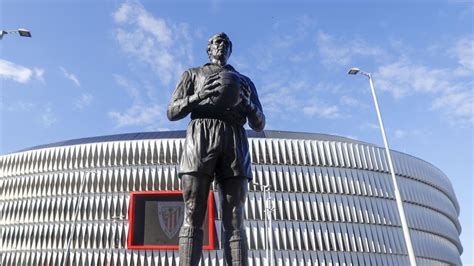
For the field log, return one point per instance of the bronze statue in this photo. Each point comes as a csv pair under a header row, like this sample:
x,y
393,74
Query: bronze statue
x,y
220,101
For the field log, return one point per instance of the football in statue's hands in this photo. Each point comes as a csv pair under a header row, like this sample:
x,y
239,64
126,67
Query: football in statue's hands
x,y
229,89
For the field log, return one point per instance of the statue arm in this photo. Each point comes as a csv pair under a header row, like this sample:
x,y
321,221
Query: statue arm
x,y
255,114
183,100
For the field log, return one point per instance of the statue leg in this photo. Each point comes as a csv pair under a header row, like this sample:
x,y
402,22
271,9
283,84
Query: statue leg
x,y
195,193
232,195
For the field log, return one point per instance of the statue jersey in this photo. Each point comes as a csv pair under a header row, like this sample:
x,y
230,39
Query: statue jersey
x,y
216,142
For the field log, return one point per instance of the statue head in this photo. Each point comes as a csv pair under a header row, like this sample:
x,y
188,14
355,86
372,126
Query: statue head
x,y
219,48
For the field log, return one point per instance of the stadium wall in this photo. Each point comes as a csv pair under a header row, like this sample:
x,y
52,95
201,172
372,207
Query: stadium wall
x,y
333,202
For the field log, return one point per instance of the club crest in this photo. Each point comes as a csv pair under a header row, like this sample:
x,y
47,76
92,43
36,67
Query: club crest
x,y
170,216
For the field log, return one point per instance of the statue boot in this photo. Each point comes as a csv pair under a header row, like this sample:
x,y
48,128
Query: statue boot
x,y
235,248
190,246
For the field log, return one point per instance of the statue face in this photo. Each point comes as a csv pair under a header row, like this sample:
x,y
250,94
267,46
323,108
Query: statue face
x,y
219,49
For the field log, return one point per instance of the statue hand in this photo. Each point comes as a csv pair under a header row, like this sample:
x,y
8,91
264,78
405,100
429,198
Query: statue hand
x,y
210,87
245,94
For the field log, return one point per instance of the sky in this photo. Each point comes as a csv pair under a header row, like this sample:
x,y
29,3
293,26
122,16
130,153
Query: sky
x,y
97,68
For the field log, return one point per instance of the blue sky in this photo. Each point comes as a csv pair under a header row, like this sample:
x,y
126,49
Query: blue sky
x,y
98,68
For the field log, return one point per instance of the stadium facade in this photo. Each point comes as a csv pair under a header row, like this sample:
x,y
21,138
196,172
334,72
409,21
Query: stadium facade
x,y
333,202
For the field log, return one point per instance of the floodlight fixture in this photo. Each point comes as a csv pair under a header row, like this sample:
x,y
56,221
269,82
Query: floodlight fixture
x,y
24,32
398,197
353,71
21,31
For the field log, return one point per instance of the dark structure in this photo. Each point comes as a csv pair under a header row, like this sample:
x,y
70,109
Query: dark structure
x,y
220,101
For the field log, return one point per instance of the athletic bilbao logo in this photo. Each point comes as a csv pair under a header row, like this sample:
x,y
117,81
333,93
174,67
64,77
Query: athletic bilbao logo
x,y
170,215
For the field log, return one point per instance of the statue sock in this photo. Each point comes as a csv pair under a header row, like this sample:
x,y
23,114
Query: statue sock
x,y
190,246
235,248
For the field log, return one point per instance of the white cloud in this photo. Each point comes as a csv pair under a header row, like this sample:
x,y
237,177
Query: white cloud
x,y
400,133
140,113
290,85
288,40
452,94
121,14
322,111
451,88
349,101
274,91
402,72
371,126
404,78
20,106
70,76
464,52
48,117
340,52
39,74
156,26
18,73
288,99
409,133
162,45
43,113
457,105
84,101
131,88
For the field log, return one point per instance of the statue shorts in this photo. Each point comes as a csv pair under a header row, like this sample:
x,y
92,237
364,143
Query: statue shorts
x,y
216,148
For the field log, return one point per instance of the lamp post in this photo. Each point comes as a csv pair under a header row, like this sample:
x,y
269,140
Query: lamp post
x,y
398,198
268,212
21,31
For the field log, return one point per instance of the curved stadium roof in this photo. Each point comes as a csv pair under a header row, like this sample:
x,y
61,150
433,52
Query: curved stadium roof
x,y
182,133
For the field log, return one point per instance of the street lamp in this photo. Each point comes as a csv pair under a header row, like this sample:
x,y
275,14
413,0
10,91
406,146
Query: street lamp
x,y
21,31
268,213
398,198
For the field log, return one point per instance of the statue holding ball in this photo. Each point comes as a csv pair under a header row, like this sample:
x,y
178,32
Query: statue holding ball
x,y
220,101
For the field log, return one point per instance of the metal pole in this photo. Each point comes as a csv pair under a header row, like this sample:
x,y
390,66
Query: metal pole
x,y
270,213
268,210
266,222
398,198
81,190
